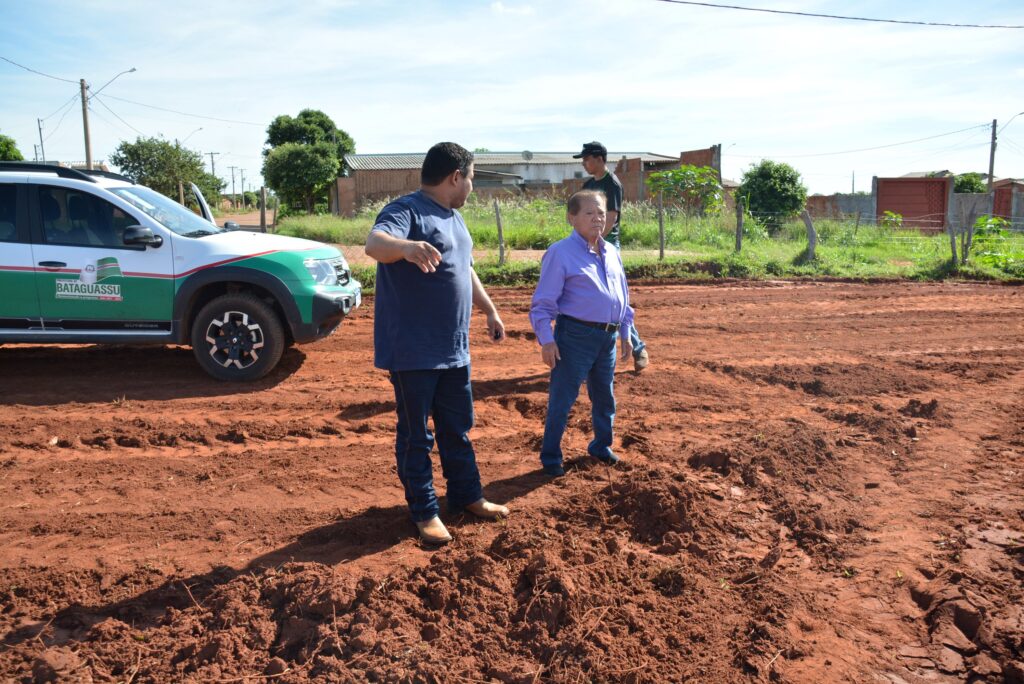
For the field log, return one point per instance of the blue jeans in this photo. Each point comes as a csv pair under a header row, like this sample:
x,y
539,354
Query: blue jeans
x,y
587,354
446,395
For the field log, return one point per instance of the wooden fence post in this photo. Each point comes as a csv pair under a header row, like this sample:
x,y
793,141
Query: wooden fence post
x,y
501,234
263,208
812,235
181,193
661,227
967,236
739,223
949,222
857,224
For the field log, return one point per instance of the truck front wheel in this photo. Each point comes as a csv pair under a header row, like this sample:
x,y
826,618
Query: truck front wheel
x,y
237,337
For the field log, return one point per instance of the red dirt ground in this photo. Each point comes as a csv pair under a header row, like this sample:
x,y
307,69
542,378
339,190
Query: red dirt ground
x,y
821,482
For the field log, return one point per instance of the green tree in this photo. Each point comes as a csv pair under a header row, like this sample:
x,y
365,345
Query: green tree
x,y
772,192
969,182
311,127
695,188
9,149
300,173
161,165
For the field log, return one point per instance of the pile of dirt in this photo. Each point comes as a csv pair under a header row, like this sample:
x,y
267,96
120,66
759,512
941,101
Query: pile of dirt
x,y
622,583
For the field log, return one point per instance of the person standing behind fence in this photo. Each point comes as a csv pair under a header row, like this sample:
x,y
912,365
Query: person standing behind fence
x,y
595,162
582,289
425,290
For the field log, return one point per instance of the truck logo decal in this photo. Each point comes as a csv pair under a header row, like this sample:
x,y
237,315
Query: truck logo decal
x,y
90,283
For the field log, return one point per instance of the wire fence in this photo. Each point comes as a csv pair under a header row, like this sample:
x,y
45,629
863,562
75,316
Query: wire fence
x,y
850,244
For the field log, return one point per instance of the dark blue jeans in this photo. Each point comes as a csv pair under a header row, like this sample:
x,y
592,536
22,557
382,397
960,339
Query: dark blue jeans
x,y
587,354
447,396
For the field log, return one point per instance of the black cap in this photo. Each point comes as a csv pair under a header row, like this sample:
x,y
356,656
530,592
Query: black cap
x,y
593,148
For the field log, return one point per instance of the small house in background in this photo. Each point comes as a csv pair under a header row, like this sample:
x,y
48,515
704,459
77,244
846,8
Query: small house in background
x,y
1009,199
379,176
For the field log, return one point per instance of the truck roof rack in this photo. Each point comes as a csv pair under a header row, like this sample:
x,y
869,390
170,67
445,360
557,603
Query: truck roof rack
x,y
108,174
61,171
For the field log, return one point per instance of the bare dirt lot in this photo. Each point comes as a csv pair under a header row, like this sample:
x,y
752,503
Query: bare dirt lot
x,y
821,482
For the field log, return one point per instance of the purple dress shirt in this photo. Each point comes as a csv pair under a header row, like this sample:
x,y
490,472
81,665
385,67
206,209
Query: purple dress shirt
x,y
577,282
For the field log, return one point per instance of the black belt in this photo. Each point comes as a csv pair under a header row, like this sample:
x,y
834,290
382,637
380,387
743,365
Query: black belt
x,y
607,327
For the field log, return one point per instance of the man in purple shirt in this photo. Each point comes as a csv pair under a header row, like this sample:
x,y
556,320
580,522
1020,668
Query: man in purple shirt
x,y
582,290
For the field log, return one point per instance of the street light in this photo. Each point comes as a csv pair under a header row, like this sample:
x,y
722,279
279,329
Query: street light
x,y
127,71
1008,122
190,135
85,112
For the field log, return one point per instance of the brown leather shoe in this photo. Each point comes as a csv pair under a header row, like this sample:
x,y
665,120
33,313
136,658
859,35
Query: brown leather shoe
x,y
485,509
433,531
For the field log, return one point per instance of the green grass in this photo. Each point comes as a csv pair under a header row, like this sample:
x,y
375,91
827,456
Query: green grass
x,y
704,247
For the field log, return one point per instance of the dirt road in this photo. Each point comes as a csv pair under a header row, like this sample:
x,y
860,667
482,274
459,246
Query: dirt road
x,y
821,482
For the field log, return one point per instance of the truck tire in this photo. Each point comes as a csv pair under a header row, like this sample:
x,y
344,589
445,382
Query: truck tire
x,y
237,338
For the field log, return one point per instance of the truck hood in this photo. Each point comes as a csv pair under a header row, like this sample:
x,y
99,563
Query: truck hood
x,y
246,242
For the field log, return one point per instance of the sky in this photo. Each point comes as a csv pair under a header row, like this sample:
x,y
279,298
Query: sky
x,y
539,75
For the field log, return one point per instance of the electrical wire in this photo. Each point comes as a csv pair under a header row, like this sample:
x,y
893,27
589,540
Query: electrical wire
x,y
73,98
863,149
836,16
97,99
69,107
174,111
22,66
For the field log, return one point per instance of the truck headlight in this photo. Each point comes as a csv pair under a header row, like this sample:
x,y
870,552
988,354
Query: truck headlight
x,y
322,270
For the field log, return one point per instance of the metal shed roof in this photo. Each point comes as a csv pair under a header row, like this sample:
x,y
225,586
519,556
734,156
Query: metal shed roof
x,y
365,162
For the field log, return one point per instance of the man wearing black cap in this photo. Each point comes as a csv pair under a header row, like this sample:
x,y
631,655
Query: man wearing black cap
x,y
595,162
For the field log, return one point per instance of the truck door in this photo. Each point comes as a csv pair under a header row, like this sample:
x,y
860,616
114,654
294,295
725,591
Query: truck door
x,y
19,305
86,277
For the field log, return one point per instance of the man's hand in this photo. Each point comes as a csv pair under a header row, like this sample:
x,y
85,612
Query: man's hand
x,y
627,347
549,353
423,254
495,328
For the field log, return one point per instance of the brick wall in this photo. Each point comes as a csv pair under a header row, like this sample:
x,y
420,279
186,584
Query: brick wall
x,y
920,201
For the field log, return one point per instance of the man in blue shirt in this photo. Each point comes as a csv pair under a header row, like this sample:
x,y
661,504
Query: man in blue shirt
x,y
595,162
582,290
425,290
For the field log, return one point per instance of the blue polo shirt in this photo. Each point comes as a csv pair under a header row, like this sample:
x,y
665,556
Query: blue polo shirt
x,y
421,320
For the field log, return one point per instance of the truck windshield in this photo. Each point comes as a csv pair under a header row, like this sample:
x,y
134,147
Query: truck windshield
x,y
166,211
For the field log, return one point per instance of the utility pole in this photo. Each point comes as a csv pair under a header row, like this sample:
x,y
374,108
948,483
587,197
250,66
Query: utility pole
x,y
992,156
41,149
234,200
213,169
35,148
241,173
85,124
853,182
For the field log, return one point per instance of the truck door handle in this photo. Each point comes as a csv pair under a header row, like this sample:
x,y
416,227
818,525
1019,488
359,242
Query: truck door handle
x,y
52,264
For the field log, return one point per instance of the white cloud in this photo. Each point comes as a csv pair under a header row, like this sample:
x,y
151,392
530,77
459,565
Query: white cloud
x,y
652,76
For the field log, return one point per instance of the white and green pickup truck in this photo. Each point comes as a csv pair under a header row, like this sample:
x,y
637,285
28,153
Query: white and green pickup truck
x,y
90,257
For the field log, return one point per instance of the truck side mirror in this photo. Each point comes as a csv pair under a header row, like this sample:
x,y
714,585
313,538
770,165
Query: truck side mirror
x,y
141,235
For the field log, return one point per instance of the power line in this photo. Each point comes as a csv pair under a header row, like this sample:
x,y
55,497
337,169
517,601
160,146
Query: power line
x,y
174,111
837,16
95,97
863,149
73,98
22,66
69,106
